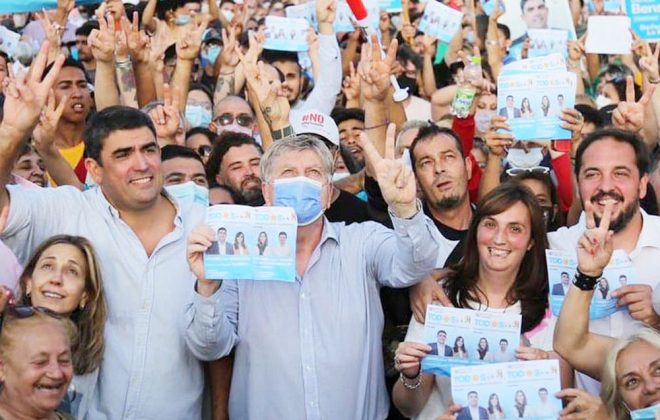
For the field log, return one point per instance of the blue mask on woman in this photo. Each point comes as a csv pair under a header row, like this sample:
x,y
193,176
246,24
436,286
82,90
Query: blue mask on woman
x,y
198,116
182,20
647,413
210,55
302,194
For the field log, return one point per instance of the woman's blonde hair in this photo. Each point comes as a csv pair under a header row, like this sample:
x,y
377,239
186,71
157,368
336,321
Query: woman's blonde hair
x,y
12,325
90,319
610,392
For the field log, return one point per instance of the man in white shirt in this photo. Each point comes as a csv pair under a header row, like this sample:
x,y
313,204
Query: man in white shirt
x,y
282,249
611,165
545,408
503,355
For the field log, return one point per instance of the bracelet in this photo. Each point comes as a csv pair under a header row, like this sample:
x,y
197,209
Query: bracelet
x,y
227,73
492,42
377,126
654,82
584,282
414,385
124,63
283,133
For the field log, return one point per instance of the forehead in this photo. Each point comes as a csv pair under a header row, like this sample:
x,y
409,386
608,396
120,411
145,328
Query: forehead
x,y
286,66
537,187
38,338
637,356
67,251
608,153
533,4
296,159
233,106
240,153
121,139
350,123
517,213
439,143
70,74
198,96
183,165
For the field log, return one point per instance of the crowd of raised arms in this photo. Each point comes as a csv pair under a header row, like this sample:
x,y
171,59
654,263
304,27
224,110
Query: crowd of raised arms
x,y
404,204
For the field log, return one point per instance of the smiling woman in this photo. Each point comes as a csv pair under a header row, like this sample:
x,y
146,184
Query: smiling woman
x,y
35,365
63,277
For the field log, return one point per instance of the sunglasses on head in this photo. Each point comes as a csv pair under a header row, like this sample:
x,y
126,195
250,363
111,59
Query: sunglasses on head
x,y
26,311
533,169
244,120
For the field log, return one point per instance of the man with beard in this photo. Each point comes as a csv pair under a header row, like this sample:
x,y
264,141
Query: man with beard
x,y
71,85
234,163
611,166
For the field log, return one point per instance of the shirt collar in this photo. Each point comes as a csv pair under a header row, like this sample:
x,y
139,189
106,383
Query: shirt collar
x,y
107,206
329,232
649,236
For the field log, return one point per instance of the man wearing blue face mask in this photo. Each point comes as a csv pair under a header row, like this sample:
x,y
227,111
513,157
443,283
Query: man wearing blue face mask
x,y
321,334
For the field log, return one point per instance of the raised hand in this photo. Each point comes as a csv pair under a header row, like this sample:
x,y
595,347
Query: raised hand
x,y
26,94
102,41
190,42
581,405
648,58
351,84
595,247
408,358
325,12
375,70
572,120
576,51
137,41
395,178
167,117
496,141
53,31
269,93
430,43
228,56
43,136
629,115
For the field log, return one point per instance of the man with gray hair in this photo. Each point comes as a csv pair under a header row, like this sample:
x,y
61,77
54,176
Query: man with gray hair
x,y
316,351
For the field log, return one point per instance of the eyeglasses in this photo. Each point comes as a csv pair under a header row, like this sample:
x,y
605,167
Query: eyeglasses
x,y
204,150
26,311
244,120
533,169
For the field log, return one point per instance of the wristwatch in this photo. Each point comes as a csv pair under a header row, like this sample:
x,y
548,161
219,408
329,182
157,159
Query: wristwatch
x,y
584,282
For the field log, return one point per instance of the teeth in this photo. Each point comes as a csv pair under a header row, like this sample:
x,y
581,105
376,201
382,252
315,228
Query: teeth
x,y
53,295
78,107
498,252
141,180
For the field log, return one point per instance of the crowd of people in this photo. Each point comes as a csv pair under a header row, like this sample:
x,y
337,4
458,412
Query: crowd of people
x,y
400,203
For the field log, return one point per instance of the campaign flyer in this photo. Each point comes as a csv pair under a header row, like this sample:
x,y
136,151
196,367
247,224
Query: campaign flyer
x,y
466,337
251,243
440,21
532,103
562,266
547,41
286,34
507,390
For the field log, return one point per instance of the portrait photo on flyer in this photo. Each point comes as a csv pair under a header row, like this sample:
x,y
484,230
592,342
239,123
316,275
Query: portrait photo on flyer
x,y
562,267
251,243
507,390
460,337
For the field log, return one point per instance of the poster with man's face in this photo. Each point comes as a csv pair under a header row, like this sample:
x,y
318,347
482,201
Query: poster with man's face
x,y
522,15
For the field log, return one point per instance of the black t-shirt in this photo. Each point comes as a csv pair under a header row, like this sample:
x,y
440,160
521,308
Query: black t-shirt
x,y
347,208
451,234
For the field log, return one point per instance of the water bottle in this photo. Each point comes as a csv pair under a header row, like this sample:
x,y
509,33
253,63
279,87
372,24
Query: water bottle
x,y
460,106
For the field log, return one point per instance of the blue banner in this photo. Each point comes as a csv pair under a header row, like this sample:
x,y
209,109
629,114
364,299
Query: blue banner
x,y
18,6
645,18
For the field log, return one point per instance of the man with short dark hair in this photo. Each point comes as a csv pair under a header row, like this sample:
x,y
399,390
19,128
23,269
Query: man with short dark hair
x,y
503,354
473,411
510,111
350,122
282,248
561,288
139,234
85,55
180,165
534,13
439,347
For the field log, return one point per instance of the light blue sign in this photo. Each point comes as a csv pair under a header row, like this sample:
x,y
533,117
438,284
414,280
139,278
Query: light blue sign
x,y
489,6
18,6
644,18
391,6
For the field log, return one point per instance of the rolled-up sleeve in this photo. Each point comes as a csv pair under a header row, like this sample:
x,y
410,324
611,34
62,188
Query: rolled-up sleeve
x,y
403,256
324,94
211,323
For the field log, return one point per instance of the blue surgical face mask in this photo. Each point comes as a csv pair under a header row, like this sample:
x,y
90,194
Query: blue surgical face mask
x,y
210,55
73,52
182,20
189,192
198,116
302,194
647,413
519,158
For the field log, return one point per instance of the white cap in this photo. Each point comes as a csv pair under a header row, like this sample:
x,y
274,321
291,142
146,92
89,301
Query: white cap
x,y
316,122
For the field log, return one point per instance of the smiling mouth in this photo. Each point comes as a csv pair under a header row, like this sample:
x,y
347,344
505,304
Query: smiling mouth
x,y
142,181
498,253
78,107
55,388
52,295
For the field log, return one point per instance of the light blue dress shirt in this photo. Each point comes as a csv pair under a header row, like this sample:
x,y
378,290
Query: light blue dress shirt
x,y
148,372
311,349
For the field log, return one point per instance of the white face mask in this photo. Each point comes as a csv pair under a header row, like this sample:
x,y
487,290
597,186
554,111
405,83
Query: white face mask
x,y
482,119
236,128
518,158
341,175
228,14
603,101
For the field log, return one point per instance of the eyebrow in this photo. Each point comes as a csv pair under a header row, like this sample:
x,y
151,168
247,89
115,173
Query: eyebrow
x,y
625,375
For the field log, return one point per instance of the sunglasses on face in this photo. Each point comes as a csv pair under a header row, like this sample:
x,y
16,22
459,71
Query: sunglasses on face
x,y
533,169
244,120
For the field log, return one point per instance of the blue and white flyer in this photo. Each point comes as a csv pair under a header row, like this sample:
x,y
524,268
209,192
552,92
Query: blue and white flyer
x,y
532,103
307,11
251,243
549,63
561,271
547,41
507,390
461,337
286,34
440,21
